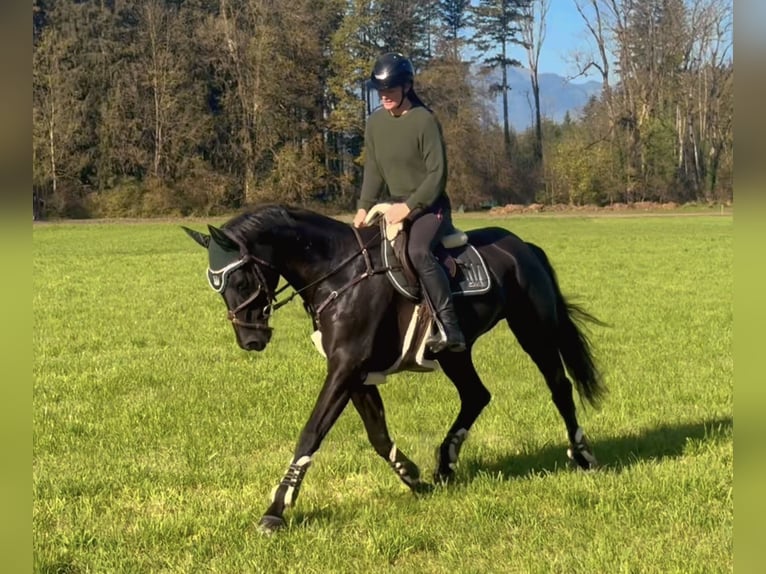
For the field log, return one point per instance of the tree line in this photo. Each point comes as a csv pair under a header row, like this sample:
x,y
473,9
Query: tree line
x,y
198,107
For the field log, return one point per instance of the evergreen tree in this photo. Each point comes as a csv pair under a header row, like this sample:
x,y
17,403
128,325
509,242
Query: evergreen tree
x,y
497,25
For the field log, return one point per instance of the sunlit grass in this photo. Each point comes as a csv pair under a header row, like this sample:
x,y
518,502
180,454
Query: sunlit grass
x,y
157,441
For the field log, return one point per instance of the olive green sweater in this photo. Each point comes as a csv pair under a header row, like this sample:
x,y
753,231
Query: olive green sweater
x,y
405,154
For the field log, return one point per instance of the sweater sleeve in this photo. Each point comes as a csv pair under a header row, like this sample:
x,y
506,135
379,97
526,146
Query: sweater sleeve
x,y
372,182
435,159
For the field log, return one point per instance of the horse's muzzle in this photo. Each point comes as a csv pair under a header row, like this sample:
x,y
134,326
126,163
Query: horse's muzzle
x,y
254,346
253,339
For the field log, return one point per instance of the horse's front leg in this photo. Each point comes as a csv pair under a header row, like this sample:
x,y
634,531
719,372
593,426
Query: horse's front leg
x,y
331,401
474,396
369,405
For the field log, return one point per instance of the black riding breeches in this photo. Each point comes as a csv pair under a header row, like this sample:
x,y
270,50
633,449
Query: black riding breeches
x,y
426,232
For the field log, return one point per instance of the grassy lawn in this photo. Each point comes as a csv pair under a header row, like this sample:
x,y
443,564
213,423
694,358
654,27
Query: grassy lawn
x,y
157,440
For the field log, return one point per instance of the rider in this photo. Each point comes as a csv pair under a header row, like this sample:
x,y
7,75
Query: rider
x,y
404,152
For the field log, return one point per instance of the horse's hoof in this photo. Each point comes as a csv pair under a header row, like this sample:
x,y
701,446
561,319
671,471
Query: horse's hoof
x,y
270,524
582,458
421,488
444,477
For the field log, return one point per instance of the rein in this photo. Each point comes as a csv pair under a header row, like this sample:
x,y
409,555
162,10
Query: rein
x,y
369,271
273,304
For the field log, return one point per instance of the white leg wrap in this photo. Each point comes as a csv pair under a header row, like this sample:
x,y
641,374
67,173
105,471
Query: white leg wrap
x,y
453,450
398,467
292,480
583,448
392,454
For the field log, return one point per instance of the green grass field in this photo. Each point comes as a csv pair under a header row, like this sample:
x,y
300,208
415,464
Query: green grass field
x,y
157,441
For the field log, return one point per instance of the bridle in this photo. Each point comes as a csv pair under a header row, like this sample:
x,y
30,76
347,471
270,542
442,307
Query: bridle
x,y
255,263
262,285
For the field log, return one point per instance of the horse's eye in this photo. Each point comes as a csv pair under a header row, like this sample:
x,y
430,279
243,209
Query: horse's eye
x,y
239,282
244,287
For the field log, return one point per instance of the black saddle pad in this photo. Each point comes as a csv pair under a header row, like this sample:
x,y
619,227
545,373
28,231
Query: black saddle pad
x,y
464,265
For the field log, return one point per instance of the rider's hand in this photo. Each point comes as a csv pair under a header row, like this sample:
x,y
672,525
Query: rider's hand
x,y
396,213
359,217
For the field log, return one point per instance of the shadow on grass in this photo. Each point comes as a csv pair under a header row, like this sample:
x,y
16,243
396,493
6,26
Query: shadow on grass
x,y
316,517
614,454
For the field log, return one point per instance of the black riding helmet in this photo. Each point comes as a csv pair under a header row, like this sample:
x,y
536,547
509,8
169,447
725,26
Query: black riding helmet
x,y
391,70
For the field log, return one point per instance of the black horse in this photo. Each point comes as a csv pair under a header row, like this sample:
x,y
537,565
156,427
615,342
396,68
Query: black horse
x,y
366,326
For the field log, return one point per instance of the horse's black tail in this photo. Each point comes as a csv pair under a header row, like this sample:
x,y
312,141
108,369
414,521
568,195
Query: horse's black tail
x,y
574,345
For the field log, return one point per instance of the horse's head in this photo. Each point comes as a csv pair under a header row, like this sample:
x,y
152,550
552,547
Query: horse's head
x,y
245,282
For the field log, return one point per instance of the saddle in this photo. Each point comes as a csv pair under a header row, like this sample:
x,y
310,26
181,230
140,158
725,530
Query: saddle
x,y
464,265
468,276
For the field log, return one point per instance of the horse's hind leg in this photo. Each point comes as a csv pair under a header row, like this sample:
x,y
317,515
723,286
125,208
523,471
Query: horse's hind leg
x,y
580,451
369,405
540,346
474,396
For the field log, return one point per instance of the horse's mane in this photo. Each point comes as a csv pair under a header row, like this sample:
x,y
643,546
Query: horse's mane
x,y
283,222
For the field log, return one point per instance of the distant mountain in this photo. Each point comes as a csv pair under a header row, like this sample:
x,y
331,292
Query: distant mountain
x,y
557,97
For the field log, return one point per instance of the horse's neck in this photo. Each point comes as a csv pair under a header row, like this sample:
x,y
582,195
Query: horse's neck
x,y
308,259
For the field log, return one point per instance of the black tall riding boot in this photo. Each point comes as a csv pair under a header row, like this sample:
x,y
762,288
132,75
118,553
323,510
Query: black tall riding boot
x,y
437,289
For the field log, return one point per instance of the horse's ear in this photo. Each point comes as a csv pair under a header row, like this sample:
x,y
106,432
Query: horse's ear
x,y
223,239
201,238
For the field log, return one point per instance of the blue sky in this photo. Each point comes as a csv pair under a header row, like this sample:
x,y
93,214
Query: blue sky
x,y
565,33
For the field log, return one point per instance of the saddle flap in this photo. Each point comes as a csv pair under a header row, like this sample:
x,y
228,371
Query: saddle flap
x,y
472,277
401,273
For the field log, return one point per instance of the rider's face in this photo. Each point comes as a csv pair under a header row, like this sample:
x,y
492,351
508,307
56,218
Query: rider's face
x,y
391,97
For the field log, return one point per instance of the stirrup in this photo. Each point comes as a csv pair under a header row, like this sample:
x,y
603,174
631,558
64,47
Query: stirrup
x,y
438,342
456,346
